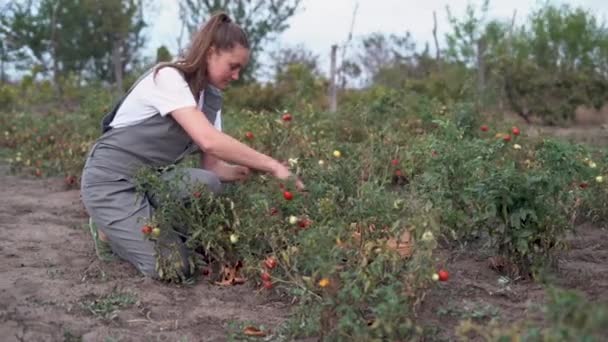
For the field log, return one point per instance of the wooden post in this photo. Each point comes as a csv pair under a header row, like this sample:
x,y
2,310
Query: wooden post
x,y
55,48
333,101
437,51
117,63
2,67
481,71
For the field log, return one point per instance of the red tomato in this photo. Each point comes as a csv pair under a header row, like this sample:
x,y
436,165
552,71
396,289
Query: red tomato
x,y
515,130
265,276
146,229
270,263
398,173
484,128
267,285
395,162
583,185
506,138
249,135
303,223
443,275
287,117
273,211
287,195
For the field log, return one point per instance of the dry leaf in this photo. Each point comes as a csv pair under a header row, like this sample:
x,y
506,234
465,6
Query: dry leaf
x,y
403,246
230,275
253,331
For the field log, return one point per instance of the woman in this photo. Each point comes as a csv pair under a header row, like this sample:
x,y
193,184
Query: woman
x,y
156,124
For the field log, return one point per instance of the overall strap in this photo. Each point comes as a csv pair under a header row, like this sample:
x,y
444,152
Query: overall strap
x,y
211,100
107,119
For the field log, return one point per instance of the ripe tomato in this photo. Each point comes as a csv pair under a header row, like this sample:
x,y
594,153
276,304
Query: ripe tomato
x,y
146,229
506,138
398,173
265,276
267,285
287,117
70,180
583,185
443,275
395,162
515,130
287,195
303,223
273,211
270,263
484,128
205,271
249,135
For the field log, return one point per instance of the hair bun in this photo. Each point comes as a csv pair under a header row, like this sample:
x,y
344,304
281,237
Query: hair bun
x,y
224,18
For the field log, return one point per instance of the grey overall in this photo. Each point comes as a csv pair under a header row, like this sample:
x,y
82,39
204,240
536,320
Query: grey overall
x,y
108,191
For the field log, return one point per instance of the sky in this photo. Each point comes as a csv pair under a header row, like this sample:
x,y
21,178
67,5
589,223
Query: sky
x,y
320,23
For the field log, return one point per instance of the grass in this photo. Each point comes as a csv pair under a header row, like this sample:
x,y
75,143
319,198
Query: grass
x,y
107,307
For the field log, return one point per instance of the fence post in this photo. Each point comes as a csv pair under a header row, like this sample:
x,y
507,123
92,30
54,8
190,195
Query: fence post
x,y
333,101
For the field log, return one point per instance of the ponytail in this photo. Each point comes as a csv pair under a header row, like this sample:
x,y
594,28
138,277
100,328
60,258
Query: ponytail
x,y
219,32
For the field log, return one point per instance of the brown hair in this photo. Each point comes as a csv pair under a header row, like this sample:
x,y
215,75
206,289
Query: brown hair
x,y
219,32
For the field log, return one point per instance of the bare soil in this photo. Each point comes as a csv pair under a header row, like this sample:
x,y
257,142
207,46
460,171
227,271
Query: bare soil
x,y
475,291
51,277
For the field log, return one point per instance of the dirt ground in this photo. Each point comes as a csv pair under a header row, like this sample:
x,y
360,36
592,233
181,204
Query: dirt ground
x,y
475,291
51,279
53,287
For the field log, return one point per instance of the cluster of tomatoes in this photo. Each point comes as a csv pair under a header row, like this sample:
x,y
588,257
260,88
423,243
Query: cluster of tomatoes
x,y
148,230
286,118
505,137
441,275
269,264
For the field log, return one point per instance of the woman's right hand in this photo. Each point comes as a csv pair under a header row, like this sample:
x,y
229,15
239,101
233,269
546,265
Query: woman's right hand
x,y
281,171
225,147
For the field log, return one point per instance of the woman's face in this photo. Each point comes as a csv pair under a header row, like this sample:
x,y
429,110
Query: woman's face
x,y
224,66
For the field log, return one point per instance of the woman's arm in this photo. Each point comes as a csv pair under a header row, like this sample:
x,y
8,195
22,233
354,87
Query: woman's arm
x,y
225,171
223,146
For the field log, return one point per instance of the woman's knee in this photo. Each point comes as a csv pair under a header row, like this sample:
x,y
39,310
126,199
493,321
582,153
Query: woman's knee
x,y
208,178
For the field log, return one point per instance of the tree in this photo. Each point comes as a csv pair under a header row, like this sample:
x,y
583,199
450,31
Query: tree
x,y
381,52
81,37
287,56
163,54
556,64
4,51
24,33
261,19
466,33
117,26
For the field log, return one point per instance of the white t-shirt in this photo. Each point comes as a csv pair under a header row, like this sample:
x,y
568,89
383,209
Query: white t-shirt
x,y
162,94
